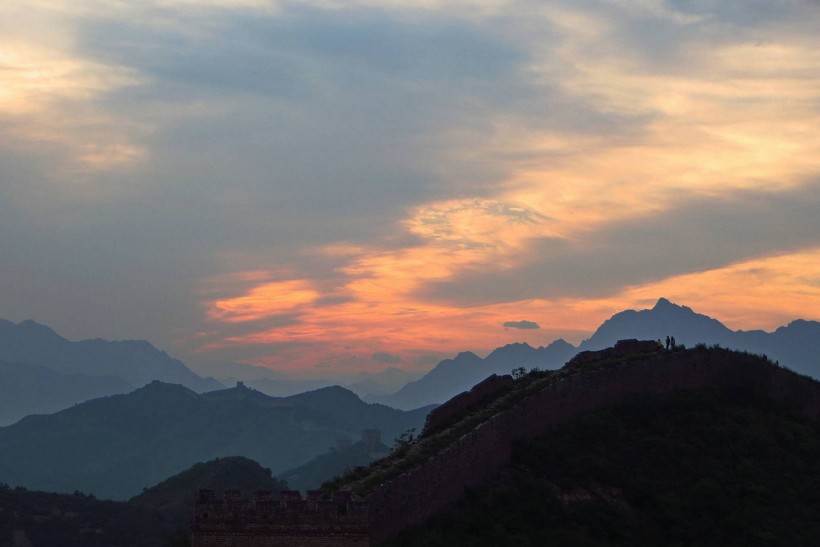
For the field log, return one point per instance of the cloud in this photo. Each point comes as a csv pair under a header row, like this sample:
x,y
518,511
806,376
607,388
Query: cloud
x,y
524,325
384,357
696,234
394,176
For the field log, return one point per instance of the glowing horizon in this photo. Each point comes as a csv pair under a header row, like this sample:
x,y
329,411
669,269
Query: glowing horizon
x,y
306,185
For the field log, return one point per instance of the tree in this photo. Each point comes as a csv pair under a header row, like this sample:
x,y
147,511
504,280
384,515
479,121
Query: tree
x,y
404,440
519,372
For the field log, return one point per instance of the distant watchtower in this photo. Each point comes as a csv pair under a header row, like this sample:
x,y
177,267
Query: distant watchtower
x,y
371,437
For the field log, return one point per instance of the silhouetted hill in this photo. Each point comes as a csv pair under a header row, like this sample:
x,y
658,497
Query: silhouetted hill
x,y
452,376
26,389
336,461
114,446
159,517
472,437
664,319
796,346
174,497
279,384
32,518
703,467
136,362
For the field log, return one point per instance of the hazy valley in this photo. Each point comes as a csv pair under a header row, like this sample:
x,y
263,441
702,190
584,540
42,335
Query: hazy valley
x,y
117,446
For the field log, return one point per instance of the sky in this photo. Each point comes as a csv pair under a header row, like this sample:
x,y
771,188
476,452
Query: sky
x,y
323,187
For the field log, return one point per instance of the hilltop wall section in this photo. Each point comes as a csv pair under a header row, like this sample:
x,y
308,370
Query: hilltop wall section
x,y
417,494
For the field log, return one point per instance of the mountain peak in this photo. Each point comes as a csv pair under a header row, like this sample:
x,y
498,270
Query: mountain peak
x,y
33,328
664,303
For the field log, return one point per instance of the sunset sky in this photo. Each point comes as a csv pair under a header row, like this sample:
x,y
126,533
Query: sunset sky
x,y
330,186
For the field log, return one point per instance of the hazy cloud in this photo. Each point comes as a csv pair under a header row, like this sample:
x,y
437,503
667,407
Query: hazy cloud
x,y
384,357
524,325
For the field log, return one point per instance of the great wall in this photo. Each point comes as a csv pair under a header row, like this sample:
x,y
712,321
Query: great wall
x,y
589,381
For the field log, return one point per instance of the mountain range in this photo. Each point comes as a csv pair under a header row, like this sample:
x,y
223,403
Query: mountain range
x,y
452,376
336,461
42,372
114,446
796,346
59,373
280,384
160,516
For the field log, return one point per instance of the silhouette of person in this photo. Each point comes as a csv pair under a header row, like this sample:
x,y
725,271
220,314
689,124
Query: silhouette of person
x,y
667,342
673,342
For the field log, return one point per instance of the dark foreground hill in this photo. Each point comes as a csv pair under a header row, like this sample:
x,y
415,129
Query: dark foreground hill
x,y
473,437
337,461
701,467
115,446
159,517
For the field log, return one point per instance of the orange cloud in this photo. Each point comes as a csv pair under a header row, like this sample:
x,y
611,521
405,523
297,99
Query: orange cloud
x,y
727,117
263,301
383,316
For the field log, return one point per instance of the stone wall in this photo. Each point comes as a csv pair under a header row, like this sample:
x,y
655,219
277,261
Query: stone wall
x,y
417,494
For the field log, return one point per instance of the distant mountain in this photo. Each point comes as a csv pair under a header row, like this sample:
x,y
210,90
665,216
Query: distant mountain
x,y
337,461
279,384
284,387
452,376
381,383
28,390
663,320
796,346
136,362
228,372
159,517
114,446
174,497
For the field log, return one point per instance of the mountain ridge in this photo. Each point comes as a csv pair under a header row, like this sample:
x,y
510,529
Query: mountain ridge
x,y
433,471
137,362
796,345
159,429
